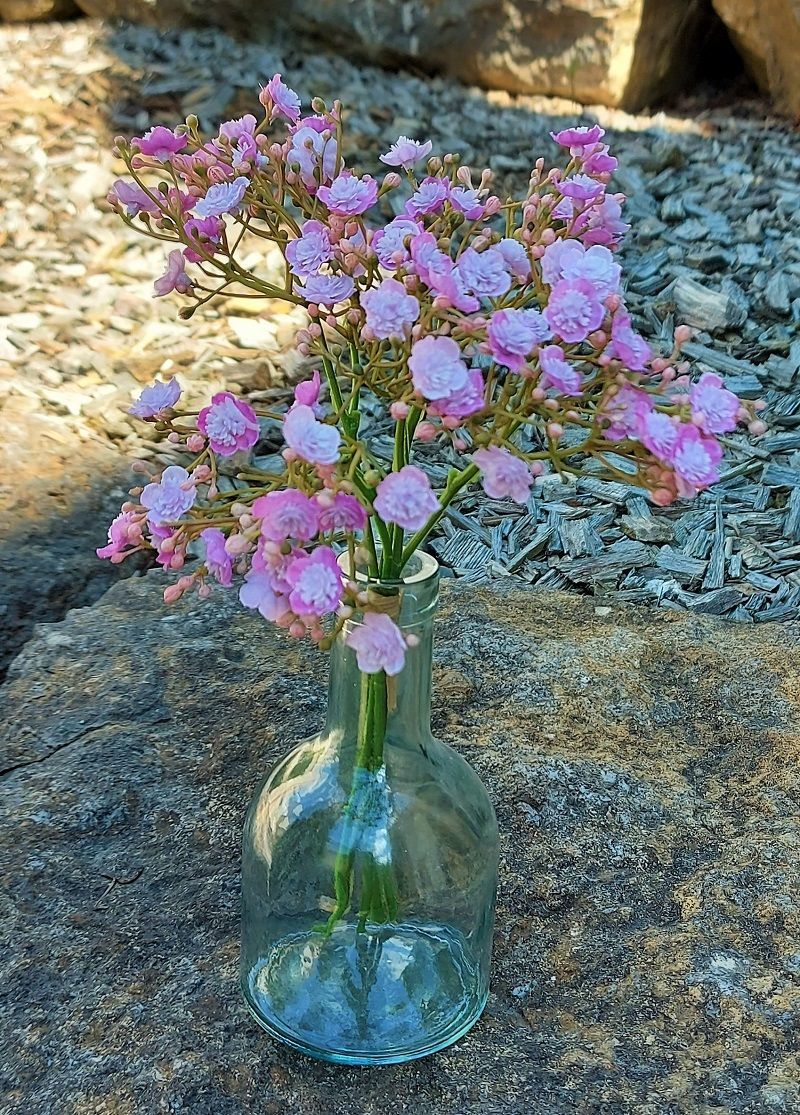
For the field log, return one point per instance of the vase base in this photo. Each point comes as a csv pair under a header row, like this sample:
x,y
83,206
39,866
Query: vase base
x,y
388,994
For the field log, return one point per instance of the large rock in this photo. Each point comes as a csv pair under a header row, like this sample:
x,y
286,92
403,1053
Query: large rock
x,y
32,11
767,35
645,770
616,52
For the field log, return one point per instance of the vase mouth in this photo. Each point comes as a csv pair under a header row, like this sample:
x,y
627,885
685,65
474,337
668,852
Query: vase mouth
x,y
422,567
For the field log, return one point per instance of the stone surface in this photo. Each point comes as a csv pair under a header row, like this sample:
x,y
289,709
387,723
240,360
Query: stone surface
x,y
644,769
615,52
30,11
767,35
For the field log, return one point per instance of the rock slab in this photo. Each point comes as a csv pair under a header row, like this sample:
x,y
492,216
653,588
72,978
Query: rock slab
x,y
767,35
644,769
615,52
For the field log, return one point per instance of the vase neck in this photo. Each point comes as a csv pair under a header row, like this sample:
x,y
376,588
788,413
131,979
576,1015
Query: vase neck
x,y
412,606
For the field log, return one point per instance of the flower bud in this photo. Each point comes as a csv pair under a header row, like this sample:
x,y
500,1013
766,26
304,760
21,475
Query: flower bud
x,y
399,411
425,431
372,478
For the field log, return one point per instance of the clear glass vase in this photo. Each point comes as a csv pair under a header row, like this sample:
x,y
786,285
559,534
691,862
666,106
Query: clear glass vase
x,y
370,866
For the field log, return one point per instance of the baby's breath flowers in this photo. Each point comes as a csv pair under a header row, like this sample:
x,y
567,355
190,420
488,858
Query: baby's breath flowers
x,y
497,326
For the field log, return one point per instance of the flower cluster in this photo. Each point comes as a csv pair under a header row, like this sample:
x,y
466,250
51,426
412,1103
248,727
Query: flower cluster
x,y
498,328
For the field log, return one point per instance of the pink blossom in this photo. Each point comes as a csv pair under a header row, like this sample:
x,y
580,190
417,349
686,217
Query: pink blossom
x,y
557,257
695,460
160,143
229,424
515,258
406,498
466,201
484,273
557,372
287,514
659,433
378,643
600,162
275,565
326,290
307,393
574,310
390,310
218,561
343,512
204,234
156,398
464,402
241,134
171,497
627,345
125,530
569,259
579,138
316,442
437,369
626,412
224,197
581,188
715,409
313,150
316,582
512,335
437,270
258,593
604,224
390,240
283,100
133,197
502,474
348,195
405,152
174,278
429,197
310,250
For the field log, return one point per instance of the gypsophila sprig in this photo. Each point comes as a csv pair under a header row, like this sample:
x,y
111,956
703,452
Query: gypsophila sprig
x,y
497,326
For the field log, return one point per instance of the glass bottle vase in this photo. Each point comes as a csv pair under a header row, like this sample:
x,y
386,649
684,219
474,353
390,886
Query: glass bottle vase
x,y
370,865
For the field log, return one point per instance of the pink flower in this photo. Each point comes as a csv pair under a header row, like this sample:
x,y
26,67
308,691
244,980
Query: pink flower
x,y
156,398
390,310
579,138
310,250
316,582
512,335
715,409
605,224
378,643
429,197
502,474
312,150
405,152
204,234
464,402
224,197
600,162
437,369
515,258
626,412
695,460
275,566
133,197
390,240
574,310
171,497
406,498
218,561
316,442
581,188
348,195
160,143
283,100
229,424
557,373
287,514
343,512
125,530
484,273
307,393
258,593
241,134
626,345
569,259
174,278
659,433
557,258
326,290
466,201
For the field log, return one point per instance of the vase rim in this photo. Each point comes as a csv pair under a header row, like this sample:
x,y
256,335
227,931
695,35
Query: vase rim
x,y
427,568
